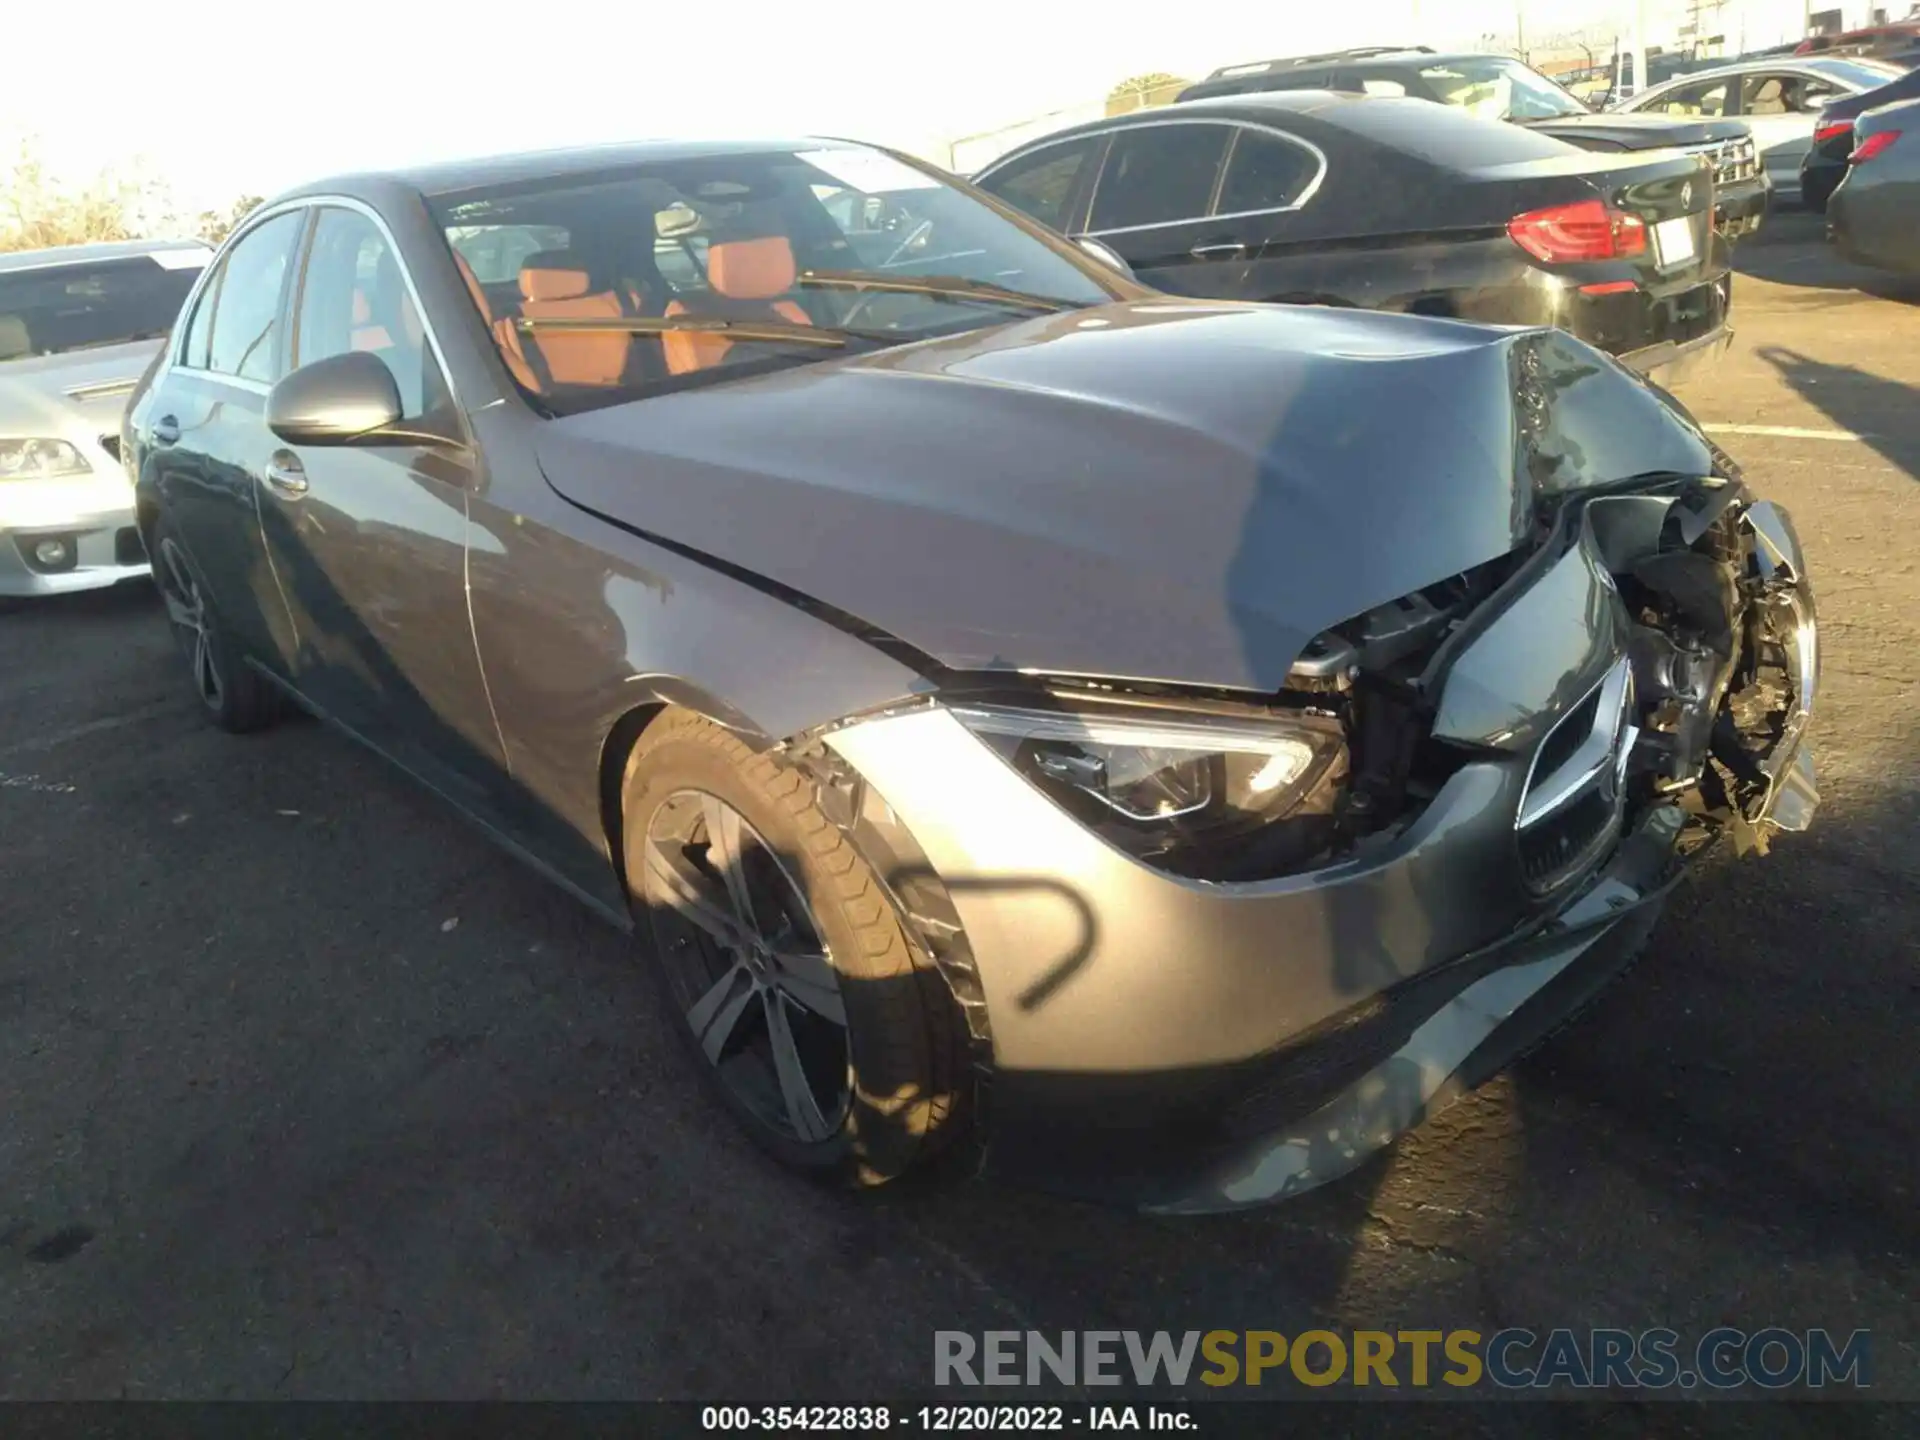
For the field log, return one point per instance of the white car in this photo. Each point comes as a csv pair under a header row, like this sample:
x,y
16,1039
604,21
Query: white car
x,y
78,325
1779,97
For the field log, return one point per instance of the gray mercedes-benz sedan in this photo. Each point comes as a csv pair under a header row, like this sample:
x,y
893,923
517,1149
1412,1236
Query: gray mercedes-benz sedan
x,y
77,326
1156,748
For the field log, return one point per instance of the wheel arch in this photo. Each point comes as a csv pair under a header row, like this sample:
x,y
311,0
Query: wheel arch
x,y
650,697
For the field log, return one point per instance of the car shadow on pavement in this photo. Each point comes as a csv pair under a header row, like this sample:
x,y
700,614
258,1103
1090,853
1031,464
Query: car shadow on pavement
x,y
1879,410
1793,250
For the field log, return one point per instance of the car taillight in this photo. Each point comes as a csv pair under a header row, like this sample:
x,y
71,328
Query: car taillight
x,y
1584,230
1832,132
1873,145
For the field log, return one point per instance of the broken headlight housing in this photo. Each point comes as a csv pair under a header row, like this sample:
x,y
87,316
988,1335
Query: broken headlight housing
x,y
1203,798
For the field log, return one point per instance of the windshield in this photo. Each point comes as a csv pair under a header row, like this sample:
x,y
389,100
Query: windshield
x,y
55,308
1500,89
1860,74
684,272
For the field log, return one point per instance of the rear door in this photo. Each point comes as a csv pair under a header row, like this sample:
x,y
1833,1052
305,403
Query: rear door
x,y
205,432
370,540
1154,199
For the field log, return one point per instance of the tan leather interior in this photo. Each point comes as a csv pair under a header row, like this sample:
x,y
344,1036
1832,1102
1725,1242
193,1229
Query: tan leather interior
x,y
473,286
554,285
745,277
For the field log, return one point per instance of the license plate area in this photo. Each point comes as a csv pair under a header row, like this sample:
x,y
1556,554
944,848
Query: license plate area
x,y
1673,244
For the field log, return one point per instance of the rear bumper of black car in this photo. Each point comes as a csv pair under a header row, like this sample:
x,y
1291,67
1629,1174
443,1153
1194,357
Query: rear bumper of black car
x,y
1665,334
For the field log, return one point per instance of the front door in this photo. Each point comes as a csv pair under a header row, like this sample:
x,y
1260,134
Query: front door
x,y
205,434
369,540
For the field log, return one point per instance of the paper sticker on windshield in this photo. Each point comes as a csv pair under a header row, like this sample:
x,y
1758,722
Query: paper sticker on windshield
x,y
180,259
868,171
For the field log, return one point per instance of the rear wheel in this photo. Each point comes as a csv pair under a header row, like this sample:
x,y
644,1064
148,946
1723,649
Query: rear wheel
x,y
233,695
814,1020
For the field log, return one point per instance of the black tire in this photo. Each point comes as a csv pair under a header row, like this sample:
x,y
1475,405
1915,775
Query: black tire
x,y
232,694
905,1047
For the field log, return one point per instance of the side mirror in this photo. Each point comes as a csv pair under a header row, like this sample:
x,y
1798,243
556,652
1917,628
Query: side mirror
x,y
334,401
1105,254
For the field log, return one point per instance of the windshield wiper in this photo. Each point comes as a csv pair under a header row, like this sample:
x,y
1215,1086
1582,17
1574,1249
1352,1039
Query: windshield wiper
x,y
827,337
940,287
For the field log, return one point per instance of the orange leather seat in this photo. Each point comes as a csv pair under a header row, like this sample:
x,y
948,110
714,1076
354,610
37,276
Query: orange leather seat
x,y
747,280
554,286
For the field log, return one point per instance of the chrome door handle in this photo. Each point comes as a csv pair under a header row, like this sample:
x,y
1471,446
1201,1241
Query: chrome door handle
x,y
1225,250
286,474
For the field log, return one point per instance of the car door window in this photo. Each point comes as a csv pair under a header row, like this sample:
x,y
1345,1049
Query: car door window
x,y
1158,174
1708,98
1762,95
245,338
1265,172
199,334
1043,185
354,297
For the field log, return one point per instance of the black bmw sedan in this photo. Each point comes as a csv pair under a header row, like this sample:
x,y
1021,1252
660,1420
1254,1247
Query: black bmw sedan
x,y
968,672
1387,203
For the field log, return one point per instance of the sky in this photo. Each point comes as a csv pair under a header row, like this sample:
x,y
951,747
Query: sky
x,y
220,97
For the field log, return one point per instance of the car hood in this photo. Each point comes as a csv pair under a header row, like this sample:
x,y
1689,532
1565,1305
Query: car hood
x,y
81,392
1168,491
1637,132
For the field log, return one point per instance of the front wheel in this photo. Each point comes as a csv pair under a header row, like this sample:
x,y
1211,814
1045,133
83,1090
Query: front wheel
x,y
815,1021
232,695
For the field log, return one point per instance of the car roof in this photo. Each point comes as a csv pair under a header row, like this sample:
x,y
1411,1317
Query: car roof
x,y
1766,62
454,176
93,254
1366,55
1254,106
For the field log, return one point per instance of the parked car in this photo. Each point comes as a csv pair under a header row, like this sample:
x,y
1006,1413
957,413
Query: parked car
x,y
968,669
1499,87
77,325
1874,216
1897,44
1779,100
1833,139
1393,204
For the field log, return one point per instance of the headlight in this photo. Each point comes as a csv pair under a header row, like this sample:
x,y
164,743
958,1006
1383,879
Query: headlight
x,y
1224,800
40,460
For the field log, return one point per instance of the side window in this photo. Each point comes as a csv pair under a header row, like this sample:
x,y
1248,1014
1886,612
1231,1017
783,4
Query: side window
x,y
1372,82
246,315
353,297
1043,184
1158,174
200,329
1265,173
1708,98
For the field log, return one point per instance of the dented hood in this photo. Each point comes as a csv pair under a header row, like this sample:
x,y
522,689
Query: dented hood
x,y
1168,490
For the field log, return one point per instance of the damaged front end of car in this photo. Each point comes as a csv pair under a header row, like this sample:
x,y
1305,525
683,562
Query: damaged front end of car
x,y
1215,949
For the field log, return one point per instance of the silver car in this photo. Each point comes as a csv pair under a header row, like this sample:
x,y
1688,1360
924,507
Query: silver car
x,y
1780,98
78,325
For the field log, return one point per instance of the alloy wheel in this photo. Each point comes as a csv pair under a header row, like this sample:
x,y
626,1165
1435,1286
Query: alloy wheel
x,y
187,611
748,967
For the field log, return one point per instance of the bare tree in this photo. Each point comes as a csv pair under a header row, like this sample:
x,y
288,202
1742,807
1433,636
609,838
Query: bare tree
x,y
37,212
213,226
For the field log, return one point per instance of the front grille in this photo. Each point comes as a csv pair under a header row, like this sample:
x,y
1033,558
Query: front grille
x,y
1572,801
1553,848
111,444
1733,160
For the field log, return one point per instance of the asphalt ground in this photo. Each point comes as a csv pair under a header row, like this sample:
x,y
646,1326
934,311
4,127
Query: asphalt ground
x,y
306,1091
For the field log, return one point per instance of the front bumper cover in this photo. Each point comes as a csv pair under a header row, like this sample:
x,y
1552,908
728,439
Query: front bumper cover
x,y
95,516
1192,1046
